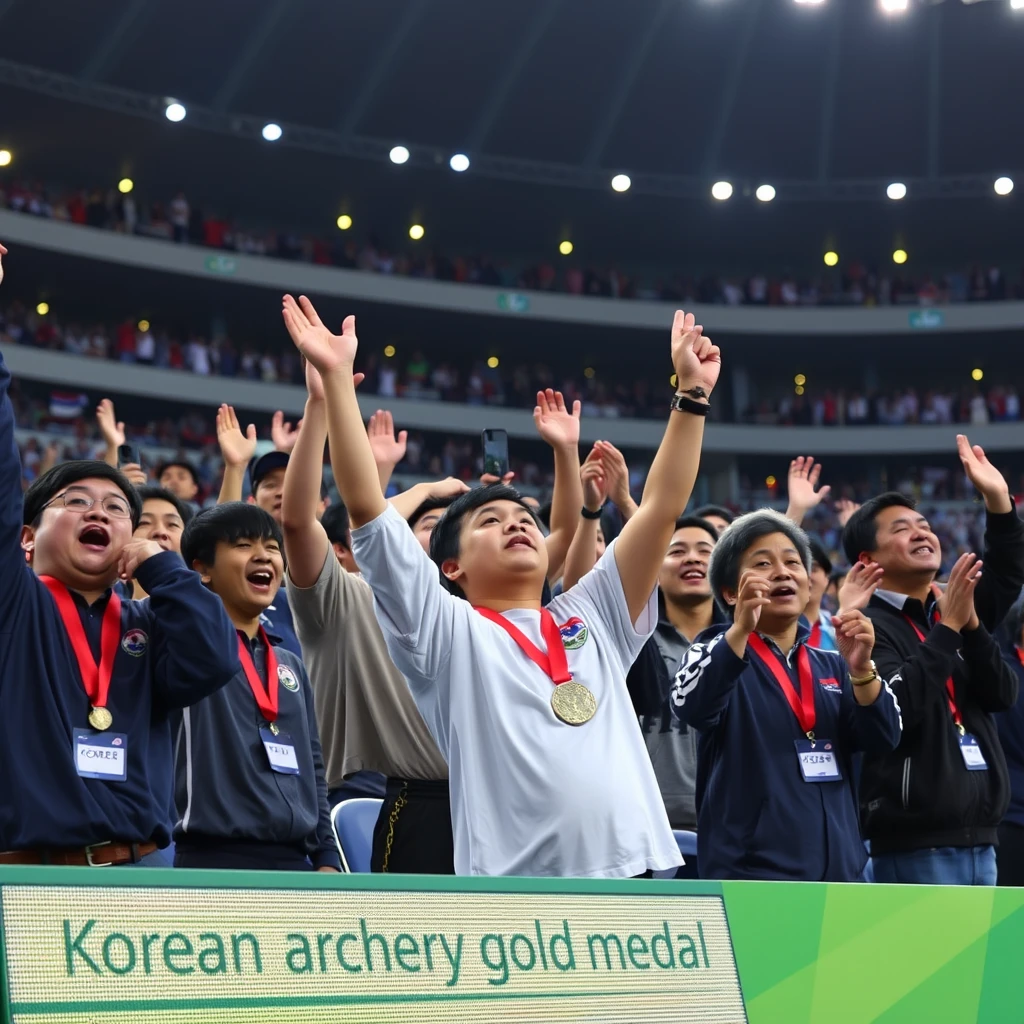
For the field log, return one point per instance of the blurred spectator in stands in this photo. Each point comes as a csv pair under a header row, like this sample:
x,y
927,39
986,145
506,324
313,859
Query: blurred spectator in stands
x,y
180,217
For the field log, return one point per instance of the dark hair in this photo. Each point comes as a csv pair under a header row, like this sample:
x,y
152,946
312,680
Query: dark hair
x,y
230,522
183,508
183,463
544,515
53,481
724,570
335,522
714,510
696,523
861,532
444,541
429,505
819,556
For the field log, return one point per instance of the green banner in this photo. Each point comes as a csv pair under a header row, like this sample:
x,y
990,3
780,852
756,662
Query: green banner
x,y
80,945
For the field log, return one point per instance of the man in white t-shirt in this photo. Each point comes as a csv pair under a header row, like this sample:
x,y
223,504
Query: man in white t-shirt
x,y
544,780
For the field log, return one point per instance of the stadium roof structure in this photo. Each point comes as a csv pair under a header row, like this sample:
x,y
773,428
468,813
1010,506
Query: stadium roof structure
x,y
826,102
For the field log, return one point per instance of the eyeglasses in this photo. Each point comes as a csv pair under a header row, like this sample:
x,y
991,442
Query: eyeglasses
x,y
117,508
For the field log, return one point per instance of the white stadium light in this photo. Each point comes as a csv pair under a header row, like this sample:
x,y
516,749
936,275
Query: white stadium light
x,y
893,6
1004,186
399,155
809,2
721,190
766,193
1017,5
174,112
272,132
621,182
897,190
459,162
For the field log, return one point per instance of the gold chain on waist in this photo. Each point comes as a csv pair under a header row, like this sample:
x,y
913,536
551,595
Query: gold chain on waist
x,y
392,818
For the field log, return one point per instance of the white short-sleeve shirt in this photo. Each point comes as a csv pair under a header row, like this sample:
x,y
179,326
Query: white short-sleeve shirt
x,y
530,795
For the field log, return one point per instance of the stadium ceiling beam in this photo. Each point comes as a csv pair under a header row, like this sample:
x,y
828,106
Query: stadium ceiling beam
x,y
934,90
732,87
356,110
630,69
319,140
117,40
499,93
272,17
828,92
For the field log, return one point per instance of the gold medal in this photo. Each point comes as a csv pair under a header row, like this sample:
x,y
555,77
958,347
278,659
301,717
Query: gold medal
x,y
274,728
573,703
100,719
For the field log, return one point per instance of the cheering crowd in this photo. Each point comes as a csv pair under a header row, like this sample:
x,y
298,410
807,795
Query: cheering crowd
x,y
527,697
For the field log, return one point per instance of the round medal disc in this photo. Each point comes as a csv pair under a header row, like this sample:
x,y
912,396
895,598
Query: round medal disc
x,y
573,703
100,719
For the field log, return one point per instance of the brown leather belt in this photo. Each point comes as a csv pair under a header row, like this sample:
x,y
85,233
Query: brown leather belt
x,y
99,855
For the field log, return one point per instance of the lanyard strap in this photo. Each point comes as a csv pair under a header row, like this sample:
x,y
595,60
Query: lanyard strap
x,y
950,693
1020,654
814,640
266,696
555,663
802,705
95,678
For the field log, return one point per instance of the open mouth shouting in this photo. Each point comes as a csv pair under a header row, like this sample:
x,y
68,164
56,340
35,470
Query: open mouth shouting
x,y
520,540
783,592
693,574
94,537
261,580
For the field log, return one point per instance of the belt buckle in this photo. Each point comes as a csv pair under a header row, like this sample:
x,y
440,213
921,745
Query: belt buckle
x,y
89,852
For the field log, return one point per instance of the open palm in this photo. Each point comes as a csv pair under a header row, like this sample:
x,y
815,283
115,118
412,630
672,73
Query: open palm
x,y
324,350
555,423
236,448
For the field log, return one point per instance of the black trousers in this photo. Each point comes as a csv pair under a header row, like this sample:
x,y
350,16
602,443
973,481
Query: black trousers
x,y
413,834
238,855
1010,854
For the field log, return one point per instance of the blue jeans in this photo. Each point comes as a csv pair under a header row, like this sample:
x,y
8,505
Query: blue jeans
x,y
943,865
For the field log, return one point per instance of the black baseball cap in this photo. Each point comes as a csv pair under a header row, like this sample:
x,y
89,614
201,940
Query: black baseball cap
x,y
819,556
261,465
183,464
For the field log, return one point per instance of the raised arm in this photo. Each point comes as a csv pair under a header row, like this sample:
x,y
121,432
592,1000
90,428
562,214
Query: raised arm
x,y
560,427
804,493
112,430
582,556
237,449
305,542
640,548
388,448
355,471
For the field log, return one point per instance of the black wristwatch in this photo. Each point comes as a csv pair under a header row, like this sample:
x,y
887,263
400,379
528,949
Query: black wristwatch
x,y
683,403
587,514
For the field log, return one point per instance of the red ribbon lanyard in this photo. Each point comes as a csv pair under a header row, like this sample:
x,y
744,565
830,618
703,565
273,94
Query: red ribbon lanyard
x,y
802,705
554,664
950,695
95,678
1020,654
814,640
266,697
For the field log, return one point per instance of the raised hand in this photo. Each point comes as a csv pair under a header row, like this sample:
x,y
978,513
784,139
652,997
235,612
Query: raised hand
x,y
283,434
236,448
804,493
616,473
388,449
592,476
135,473
559,426
844,510
3,253
855,638
989,481
860,583
696,361
751,597
956,602
110,426
324,350
133,554
487,479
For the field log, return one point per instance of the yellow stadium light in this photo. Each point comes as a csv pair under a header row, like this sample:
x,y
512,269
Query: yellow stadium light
x,y
770,481
43,308
831,258
899,256
977,373
344,222
799,380
492,362
589,373
565,247
673,380
5,157
125,185
389,351
143,326
416,232
799,389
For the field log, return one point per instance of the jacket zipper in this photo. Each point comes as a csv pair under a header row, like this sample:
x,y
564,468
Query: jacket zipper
x,y
906,783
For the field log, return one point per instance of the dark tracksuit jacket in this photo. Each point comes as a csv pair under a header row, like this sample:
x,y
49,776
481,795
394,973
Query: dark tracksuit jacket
x,y
921,795
756,816
224,785
1011,735
178,647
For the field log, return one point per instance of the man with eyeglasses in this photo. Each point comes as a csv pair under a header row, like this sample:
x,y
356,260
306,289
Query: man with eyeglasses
x,y
87,680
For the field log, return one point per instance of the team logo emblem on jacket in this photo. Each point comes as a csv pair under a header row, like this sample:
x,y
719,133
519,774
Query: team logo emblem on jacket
x,y
135,642
286,677
574,633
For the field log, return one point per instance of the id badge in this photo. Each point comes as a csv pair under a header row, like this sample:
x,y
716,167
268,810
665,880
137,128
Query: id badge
x,y
280,751
818,761
970,751
101,755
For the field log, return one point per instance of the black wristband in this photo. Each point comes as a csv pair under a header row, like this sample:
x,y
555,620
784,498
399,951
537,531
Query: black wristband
x,y
587,514
680,403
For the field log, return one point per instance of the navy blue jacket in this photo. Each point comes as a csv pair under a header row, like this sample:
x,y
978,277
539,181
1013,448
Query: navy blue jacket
x,y
178,647
225,787
1011,734
756,816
